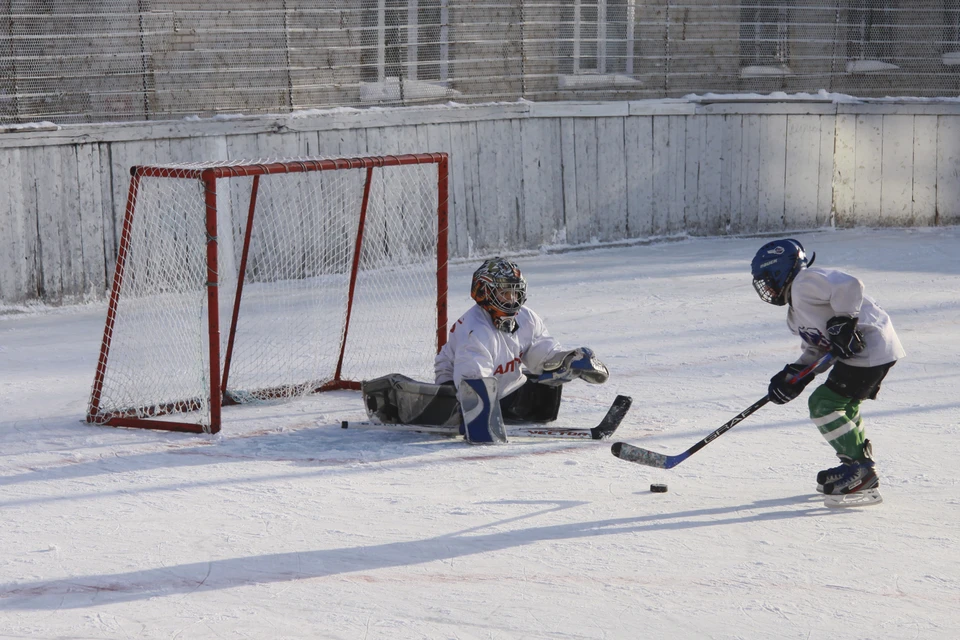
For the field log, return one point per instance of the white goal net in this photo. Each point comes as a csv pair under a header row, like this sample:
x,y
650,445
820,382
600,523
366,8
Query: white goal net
x,y
253,281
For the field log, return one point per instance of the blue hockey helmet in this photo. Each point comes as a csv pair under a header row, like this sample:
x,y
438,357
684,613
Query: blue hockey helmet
x,y
775,266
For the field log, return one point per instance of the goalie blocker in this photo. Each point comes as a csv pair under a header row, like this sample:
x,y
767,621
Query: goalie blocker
x,y
397,399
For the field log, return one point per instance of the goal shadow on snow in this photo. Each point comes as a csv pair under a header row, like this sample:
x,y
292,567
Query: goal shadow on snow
x,y
328,449
100,590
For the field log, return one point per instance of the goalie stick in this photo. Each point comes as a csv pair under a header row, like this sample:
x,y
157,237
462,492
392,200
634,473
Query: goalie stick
x,y
632,453
607,426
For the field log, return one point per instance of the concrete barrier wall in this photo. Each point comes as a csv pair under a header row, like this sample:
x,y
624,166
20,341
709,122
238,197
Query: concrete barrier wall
x,y
523,175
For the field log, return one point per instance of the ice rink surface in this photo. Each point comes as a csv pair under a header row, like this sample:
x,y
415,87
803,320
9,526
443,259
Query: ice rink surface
x,y
286,526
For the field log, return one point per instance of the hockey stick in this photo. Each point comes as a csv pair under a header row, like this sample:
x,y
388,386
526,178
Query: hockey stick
x,y
632,453
607,426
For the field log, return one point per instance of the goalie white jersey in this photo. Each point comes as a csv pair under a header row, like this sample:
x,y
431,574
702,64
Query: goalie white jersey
x,y
477,349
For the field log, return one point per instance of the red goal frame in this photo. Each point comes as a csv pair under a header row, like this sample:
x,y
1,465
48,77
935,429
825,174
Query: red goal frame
x,y
209,175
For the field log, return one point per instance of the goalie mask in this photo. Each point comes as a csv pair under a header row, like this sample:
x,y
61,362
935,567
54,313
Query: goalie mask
x,y
775,266
500,289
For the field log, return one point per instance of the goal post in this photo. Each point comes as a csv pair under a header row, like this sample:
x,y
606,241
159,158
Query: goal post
x,y
250,281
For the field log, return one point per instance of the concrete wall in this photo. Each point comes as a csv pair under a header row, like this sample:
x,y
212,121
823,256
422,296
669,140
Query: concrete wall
x,y
523,175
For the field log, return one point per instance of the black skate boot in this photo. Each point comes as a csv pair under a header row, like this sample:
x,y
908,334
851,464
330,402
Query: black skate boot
x,y
853,482
834,474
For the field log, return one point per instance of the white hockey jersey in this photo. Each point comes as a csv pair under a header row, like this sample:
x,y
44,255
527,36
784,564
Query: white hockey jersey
x,y
816,295
477,349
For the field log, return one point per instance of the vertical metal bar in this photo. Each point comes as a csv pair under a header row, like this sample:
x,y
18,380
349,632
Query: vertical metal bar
x,y
631,19
667,53
381,40
213,298
254,190
287,47
444,40
94,408
353,271
143,62
783,35
601,36
523,50
442,257
412,39
576,36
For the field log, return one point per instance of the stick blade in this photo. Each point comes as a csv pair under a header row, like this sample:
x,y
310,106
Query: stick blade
x,y
639,455
615,414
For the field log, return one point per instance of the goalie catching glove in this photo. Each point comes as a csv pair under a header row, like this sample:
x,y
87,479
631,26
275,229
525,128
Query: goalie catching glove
x,y
579,363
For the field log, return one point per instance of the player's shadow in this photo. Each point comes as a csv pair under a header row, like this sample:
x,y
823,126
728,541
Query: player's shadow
x,y
99,590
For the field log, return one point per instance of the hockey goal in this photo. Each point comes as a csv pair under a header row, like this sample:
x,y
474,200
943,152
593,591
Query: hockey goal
x,y
254,281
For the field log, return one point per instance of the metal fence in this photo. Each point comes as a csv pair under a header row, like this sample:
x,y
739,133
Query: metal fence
x,y
71,61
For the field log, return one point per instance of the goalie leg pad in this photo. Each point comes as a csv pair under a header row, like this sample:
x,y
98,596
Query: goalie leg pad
x,y
580,363
397,399
482,420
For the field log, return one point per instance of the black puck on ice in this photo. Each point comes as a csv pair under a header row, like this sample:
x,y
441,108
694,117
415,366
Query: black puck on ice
x,y
658,488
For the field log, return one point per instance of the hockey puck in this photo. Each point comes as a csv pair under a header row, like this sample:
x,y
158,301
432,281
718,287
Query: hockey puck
x,y
658,488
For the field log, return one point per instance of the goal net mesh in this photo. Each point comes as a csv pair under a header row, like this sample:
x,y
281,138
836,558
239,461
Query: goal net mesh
x,y
286,336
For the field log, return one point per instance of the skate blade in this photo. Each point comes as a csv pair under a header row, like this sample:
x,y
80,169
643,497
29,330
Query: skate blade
x,y
857,499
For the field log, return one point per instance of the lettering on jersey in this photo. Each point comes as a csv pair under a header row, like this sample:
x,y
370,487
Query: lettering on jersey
x,y
813,337
501,369
454,326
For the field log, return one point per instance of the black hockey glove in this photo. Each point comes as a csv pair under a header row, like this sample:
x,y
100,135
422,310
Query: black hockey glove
x,y
781,391
846,340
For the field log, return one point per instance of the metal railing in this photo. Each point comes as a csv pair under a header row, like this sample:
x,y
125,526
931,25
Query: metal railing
x,y
126,60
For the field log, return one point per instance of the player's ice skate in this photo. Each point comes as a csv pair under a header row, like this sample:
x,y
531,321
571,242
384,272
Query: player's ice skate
x,y
852,483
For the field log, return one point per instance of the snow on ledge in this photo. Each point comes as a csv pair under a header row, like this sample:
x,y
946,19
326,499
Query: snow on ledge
x,y
951,58
763,71
869,66
29,126
775,96
597,81
448,111
393,90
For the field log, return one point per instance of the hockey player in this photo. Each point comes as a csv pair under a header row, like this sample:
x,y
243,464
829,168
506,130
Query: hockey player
x,y
829,311
500,364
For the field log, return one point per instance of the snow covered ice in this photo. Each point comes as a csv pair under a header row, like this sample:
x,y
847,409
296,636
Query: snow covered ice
x,y
287,526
